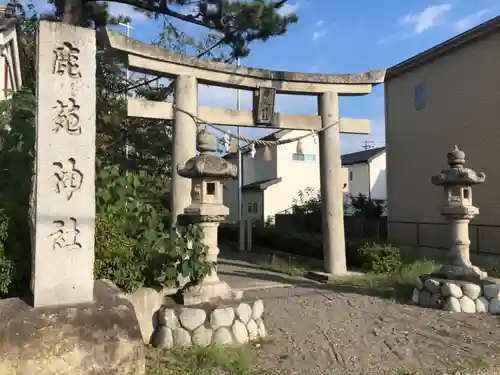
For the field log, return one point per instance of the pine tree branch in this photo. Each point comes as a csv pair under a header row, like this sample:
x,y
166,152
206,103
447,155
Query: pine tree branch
x,y
161,8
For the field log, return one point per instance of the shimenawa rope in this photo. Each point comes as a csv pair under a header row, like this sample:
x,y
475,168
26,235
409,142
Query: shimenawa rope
x,y
258,142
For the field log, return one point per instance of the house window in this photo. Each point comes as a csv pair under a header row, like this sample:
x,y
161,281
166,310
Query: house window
x,y
304,157
252,207
419,96
351,175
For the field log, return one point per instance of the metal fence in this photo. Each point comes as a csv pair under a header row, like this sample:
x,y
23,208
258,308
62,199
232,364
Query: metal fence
x,y
424,234
355,227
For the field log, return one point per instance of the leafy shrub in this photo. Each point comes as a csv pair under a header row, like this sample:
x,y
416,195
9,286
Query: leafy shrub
x,y
380,258
135,245
359,253
366,207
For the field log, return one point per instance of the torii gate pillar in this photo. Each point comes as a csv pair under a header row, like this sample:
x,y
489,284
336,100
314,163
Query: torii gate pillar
x,y
184,142
189,71
332,210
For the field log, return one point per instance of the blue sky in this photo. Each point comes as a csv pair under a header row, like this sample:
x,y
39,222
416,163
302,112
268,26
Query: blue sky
x,y
342,36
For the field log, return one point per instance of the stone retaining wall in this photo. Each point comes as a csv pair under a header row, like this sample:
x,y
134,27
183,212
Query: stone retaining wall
x,y
457,296
183,326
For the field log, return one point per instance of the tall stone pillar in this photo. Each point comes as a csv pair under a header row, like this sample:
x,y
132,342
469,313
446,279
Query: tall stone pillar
x,y
184,141
331,190
63,196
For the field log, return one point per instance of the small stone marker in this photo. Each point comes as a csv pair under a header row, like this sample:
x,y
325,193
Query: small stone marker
x,y
64,189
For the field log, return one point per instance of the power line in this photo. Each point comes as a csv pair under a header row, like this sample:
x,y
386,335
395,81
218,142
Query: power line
x,y
366,145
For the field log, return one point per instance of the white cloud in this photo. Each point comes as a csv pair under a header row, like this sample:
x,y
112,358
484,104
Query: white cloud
x,y
430,17
318,34
288,8
471,20
319,23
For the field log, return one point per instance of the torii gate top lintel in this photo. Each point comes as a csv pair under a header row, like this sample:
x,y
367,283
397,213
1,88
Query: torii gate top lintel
x,y
143,57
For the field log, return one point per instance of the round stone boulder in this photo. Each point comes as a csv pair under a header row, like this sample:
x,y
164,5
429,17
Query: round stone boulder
x,y
244,312
262,328
481,305
467,305
473,291
222,336
451,290
494,306
425,298
240,332
415,298
222,317
167,317
491,291
436,301
163,338
452,304
257,309
182,338
202,336
253,330
432,286
192,318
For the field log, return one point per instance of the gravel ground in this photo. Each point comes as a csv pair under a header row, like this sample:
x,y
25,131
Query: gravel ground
x,y
318,330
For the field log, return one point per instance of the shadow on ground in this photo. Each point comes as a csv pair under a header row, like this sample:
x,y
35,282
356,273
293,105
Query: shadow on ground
x,y
239,269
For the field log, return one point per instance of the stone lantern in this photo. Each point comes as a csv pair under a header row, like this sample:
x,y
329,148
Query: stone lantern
x,y
459,211
207,171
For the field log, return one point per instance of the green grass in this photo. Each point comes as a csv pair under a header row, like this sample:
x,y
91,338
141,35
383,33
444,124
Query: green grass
x,y
289,266
197,360
403,278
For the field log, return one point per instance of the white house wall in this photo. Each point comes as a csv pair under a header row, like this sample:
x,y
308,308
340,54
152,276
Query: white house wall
x,y
9,64
257,168
360,182
230,197
378,179
296,175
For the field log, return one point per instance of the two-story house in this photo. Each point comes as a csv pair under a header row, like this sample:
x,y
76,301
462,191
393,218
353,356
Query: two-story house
x,y
10,68
271,185
367,173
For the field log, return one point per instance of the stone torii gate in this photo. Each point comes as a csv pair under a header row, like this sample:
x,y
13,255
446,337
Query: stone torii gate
x,y
189,71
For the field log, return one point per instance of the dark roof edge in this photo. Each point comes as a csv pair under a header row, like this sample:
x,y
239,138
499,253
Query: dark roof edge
x,y
479,32
382,150
262,185
379,151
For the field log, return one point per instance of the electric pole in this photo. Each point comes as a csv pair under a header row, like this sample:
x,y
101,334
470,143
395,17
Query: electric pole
x,y
366,145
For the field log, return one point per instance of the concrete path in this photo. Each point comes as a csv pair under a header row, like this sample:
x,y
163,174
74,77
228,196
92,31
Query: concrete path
x,y
242,271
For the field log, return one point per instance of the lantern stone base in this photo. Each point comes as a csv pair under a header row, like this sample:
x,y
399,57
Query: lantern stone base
x,y
463,273
206,292
481,296
221,323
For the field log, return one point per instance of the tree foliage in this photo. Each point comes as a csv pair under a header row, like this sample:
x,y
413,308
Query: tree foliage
x,y
135,244
239,22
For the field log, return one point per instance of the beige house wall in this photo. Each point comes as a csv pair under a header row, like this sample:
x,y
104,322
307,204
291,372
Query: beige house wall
x,y
462,107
